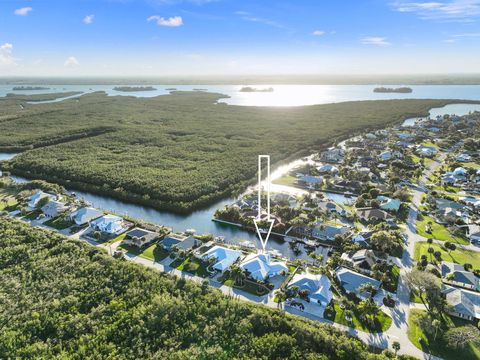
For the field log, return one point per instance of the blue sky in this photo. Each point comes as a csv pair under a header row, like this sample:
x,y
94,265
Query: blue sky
x,y
203,37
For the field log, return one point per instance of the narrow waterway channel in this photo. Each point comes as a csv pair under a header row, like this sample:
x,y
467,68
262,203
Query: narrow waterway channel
x,y
201,220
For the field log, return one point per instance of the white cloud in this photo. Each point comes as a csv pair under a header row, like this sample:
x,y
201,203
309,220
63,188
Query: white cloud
x,y
71,62
88,19
318,33
452,10
375,40
6,57
173,21
23,11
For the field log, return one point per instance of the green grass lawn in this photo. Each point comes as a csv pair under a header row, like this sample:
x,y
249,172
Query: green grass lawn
x,y
438,347
7,201
382,321
59,223
471,164
191,265
430,144
115,239
459,256
439,231
155,252
286,180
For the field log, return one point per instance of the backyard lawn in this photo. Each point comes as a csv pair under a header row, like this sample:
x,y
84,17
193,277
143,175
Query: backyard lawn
x,y
191,265
286,180
153,252
382,320
7,200
438,347
459,256
439,231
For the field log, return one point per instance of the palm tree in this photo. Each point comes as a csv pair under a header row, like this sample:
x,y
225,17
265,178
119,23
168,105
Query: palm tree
x,y
238,275
367,287
430,251
368,309
396,347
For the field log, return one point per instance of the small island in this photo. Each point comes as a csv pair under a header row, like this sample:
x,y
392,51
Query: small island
x,y
134,88
252,89
393,90
29,88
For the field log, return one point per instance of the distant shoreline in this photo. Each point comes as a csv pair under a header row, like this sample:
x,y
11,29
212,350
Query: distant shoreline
x,y
134,88
29,88
252,89
401,90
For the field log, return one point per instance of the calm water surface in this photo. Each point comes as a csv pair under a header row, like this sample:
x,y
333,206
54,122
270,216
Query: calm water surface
x,y
283,95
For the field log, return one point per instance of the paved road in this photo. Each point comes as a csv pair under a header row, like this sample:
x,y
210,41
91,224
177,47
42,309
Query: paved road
x,y
399,314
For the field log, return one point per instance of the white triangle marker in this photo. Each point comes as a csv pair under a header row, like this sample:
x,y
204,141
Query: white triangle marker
x,y
259,216
259,232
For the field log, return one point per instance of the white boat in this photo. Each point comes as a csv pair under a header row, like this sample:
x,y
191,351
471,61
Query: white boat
x,y
190,231
247,244
275,253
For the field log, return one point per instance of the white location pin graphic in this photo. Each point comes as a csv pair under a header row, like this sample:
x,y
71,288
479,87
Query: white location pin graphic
x,y
268,220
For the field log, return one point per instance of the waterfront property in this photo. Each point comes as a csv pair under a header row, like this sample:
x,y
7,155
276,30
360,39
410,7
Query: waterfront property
x,y
109,224
140,237
35,199
176,240
221,257
84,215
261,266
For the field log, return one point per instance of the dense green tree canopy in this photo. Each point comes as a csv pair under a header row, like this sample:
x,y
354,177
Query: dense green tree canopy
x,y
61,298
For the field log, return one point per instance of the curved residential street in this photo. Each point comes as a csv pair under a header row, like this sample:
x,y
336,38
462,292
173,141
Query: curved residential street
x,y
399,314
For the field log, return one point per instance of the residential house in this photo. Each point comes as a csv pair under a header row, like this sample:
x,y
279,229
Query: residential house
x,y
317,287
84,215
455,274
351,281
474,233
109,224
464,158
261,266
175,240
327,169
427,151
223,257
372,214
362,238
334,155
389,204
326,232
363,259
309,180
463,303
140,237
54,208
39,195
